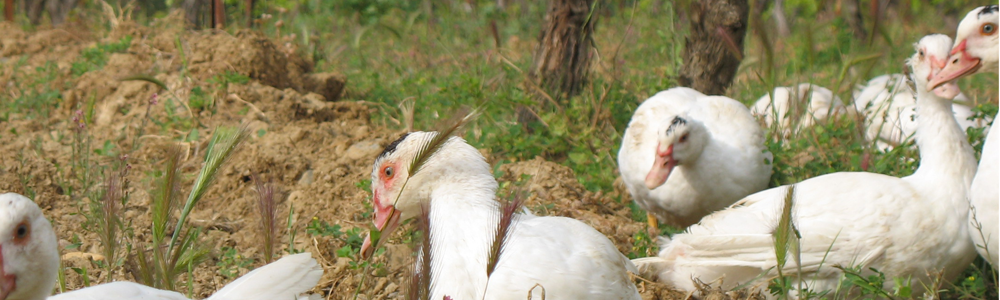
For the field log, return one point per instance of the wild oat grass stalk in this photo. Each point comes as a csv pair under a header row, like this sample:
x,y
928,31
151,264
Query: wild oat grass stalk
x,y
109,223
786,239
224,143
502,234
165,194
268,209
165,263
420,280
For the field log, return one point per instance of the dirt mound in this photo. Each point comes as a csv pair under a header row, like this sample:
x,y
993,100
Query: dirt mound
x,y
16,42
252,54
554,190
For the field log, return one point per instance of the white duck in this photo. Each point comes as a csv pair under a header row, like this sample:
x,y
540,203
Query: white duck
x,y
685,155
812,102
905,227
976,52
29,260
567,258
984,194
889,104
975,48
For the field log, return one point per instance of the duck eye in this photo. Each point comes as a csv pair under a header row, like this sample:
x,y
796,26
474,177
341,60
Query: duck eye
x,y
684,138
388,172
21,231
921,52
989,29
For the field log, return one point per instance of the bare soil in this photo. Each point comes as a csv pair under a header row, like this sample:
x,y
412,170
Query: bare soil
x,y
317,150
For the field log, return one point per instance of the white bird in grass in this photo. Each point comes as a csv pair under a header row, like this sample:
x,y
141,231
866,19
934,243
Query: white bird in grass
x,y
29,260
685,155
907,228
889,104
976,51
806,105
565,257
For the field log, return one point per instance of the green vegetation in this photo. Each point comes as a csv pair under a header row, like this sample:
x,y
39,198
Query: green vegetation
x,y
96,57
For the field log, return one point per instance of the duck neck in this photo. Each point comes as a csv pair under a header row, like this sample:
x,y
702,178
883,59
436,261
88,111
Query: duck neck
x,y
463,213
945,153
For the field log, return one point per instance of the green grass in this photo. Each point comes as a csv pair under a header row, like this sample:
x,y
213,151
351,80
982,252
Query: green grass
x,y
33,94
94,58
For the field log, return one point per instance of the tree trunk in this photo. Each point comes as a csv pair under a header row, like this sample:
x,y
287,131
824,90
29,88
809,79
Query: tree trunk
x,y
562,57
714,48
218,14
192,12
33,9
8,10
250,4
59,10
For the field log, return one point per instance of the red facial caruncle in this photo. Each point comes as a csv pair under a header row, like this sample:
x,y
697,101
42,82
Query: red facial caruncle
x,y
8,282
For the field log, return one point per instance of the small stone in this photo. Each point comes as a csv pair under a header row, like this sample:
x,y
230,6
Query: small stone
x,y
82,256
307,178
363,150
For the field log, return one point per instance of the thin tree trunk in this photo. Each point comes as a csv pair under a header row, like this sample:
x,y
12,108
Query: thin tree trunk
x,y
250,4
34,9
59,10
714,48
192,12
218,14
8,10
563,55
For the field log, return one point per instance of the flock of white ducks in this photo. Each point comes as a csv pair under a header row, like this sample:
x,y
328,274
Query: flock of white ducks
x,y
903,227
685,157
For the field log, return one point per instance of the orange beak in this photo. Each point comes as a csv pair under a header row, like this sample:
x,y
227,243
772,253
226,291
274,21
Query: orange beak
x,y
959,64
662,167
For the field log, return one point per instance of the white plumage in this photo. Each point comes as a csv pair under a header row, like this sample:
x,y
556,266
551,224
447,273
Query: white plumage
x,y
30,259
567,258
904,227
685,155
975,51
799,107
984,194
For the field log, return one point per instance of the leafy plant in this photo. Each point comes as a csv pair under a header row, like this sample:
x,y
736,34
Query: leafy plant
x,y
230,262
181,253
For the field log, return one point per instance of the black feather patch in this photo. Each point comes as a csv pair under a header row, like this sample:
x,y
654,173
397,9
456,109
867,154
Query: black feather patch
x,y
678,121
392,147
989,9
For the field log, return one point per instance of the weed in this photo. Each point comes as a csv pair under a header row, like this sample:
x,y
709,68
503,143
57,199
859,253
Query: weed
x,y
96,57
230,262
36,94
643,245
267,196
